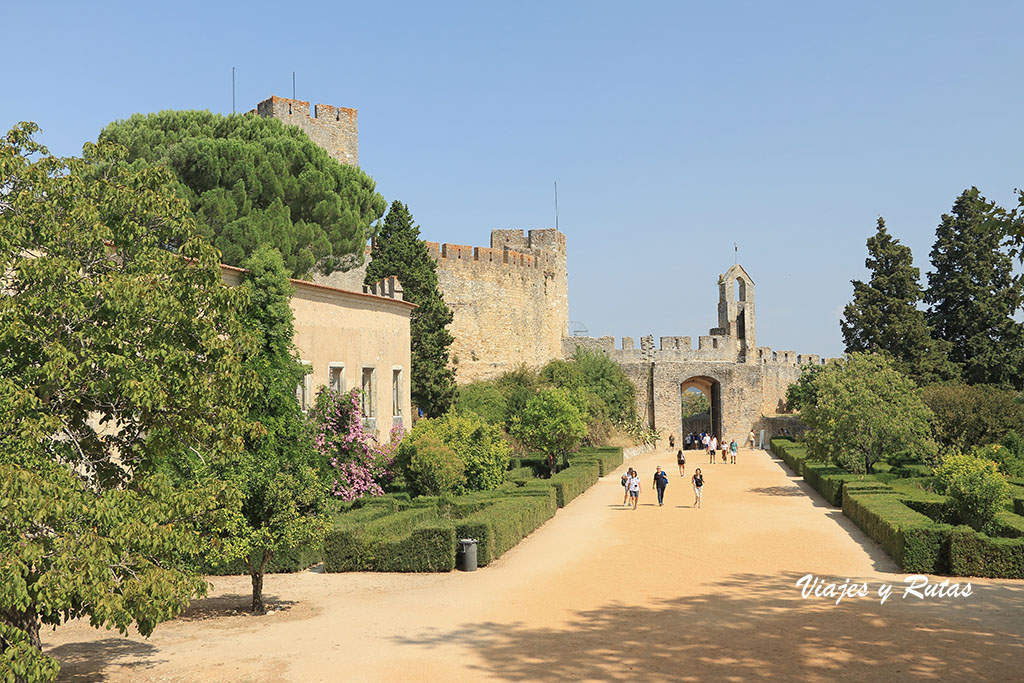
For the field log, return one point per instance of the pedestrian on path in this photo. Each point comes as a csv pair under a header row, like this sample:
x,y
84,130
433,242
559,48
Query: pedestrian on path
x,y
660,482
625,486
698,487
634,489
671,441
713,448
751,439
681,461
733,450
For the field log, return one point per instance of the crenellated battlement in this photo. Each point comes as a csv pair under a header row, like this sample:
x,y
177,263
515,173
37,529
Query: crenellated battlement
x,y
336,129
389,287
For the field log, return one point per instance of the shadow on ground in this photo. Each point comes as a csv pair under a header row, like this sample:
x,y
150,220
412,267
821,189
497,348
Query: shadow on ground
x,y
84,662
233,605
753,627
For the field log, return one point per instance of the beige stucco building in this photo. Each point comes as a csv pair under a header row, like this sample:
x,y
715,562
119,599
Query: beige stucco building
x,y
354,340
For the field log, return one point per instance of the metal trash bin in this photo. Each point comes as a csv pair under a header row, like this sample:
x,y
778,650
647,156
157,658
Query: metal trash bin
x,y
465,557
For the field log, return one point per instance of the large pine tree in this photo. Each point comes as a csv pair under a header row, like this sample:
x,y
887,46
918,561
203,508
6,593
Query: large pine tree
x,y
973,294
399,251
884,317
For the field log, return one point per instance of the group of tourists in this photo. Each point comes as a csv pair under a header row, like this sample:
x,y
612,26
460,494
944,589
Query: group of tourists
x,y
711,446
631,485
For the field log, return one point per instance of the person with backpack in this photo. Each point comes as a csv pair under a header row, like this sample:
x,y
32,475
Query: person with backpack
x,y
681,461
634,488
660,482
625,486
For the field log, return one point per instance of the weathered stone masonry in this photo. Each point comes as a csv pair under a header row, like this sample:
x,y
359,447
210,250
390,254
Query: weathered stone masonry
x,y
333,128
746,384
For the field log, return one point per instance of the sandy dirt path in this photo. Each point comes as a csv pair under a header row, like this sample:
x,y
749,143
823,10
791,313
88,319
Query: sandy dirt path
x,y
598,593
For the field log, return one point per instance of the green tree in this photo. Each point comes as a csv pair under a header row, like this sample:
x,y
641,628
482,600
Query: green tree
x,y
864,412
251,181
551,423
283,494
965,416
485,399
973,294
479,445
694,403
802,393
884,317
977,488
432,467
116,358
399,251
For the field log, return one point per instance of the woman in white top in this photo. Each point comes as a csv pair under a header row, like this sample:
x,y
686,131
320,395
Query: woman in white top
x,y
712,447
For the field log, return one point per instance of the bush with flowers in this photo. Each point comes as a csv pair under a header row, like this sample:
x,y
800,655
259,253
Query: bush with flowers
x,y
360,466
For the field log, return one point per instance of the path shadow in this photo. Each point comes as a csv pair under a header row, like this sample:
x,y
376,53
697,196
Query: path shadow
x,y
778,491
84,662
751,628
233,605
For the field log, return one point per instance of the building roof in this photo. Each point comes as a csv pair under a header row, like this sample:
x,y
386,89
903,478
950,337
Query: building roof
x,y
306,284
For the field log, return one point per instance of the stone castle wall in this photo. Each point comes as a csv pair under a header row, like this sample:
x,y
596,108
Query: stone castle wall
x,y
510,301
333,128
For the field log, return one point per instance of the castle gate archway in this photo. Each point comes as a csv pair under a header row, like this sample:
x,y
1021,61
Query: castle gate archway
x,y
712,389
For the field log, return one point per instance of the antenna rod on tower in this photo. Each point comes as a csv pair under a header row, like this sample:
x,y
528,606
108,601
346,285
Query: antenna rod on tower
x,y
232,90
293,85
735,254
556,205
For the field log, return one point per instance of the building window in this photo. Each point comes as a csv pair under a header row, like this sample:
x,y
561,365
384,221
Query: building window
x,y
304,390
369,397
336,377
396,392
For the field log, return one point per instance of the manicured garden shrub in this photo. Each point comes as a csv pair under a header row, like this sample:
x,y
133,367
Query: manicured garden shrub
x,y
431,467
915,542
427,548
791,452
501,526
975,554
572,482
1018,506
1007,525
358,545
520,474
480,446
976,487
828,480
608,459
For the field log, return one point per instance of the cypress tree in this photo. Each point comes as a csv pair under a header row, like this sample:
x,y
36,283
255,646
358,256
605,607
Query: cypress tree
x,y
399,251
973,293
884,317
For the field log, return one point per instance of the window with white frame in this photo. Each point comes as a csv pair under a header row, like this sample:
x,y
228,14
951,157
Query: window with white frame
x,y
304,390
369,397
396,392
336,377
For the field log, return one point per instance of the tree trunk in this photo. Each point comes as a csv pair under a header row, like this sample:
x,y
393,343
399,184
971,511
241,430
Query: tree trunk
x,y
28,622
256,574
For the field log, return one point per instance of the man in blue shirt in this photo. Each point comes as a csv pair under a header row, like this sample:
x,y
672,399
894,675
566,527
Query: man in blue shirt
x,y
660,482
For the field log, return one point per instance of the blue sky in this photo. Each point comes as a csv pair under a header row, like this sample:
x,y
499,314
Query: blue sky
x,y
673,129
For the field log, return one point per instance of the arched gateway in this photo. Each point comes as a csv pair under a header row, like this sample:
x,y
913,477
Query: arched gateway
x,y
745,384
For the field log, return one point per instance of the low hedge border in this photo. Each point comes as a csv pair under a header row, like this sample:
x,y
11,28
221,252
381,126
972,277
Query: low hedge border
x,y
828,480
504,524
608,458
914,541
791,452
975,554
572,482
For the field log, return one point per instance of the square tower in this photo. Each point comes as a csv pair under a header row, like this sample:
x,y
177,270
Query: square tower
x,y
333,128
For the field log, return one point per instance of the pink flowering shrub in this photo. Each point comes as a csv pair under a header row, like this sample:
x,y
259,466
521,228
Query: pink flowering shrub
x,y
359,463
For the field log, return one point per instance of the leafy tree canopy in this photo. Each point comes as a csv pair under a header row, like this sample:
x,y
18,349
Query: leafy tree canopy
x,y
118,359
251,181
864,411
552,423
694,403
399,251
965,416
284,496
479,446
884,317
973,293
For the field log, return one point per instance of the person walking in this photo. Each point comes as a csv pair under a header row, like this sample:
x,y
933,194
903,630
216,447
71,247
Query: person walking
x,y
698,487
660,482
733,450
713,448
671,441
625,486
751,439
706,440
634,489
681,461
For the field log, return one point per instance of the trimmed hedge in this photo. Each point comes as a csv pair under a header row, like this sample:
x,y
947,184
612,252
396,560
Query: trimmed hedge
x,y
380,544
975,554
1018,506
914,541
828,480
572,482
501,526
607,458
791,452
1008,525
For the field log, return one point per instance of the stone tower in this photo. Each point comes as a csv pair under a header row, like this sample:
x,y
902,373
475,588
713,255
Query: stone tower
x,y
736,311
333,128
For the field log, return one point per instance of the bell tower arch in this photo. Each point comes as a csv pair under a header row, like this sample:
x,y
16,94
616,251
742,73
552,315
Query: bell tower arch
x,y
736,311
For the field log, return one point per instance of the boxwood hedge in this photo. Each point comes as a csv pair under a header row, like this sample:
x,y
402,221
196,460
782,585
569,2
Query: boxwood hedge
x,y
791,452
914,541
975,554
